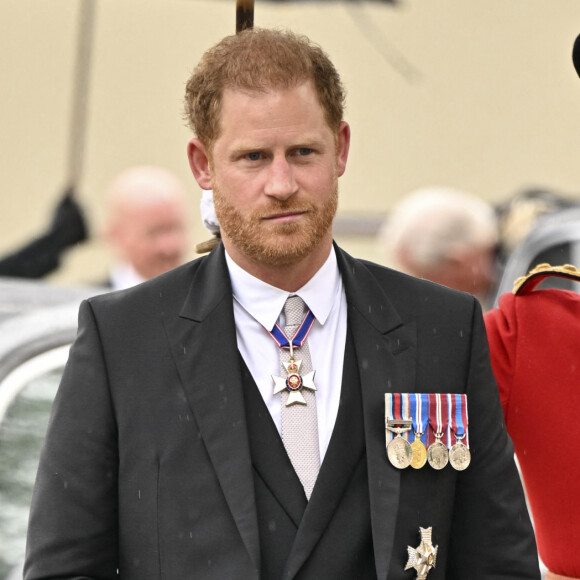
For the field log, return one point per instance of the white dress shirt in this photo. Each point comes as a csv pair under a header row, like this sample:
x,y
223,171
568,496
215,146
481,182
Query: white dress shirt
x,y
122,275
258,306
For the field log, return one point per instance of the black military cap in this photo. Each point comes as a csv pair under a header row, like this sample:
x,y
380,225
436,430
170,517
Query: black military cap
x,y
576,55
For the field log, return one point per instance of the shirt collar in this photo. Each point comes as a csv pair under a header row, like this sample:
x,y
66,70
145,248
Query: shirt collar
x,y
265,302
122,275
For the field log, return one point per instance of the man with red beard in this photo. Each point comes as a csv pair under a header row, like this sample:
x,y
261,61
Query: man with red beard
x,y
228,420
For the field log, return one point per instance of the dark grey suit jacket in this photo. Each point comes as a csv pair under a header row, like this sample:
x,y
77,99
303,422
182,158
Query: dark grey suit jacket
x,y
146,467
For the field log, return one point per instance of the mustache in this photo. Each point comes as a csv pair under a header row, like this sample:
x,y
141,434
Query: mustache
x,y
284,206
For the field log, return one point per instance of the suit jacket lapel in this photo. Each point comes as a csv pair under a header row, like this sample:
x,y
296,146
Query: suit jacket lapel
x,y
203,342
386,353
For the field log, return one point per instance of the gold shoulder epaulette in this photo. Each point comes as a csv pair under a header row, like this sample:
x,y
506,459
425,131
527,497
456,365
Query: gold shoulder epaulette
x,y
527,283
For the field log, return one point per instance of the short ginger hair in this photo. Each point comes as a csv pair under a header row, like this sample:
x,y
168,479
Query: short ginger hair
x,y
259,60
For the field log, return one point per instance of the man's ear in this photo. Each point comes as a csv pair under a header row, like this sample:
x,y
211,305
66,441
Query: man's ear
x,y
199,163
343,145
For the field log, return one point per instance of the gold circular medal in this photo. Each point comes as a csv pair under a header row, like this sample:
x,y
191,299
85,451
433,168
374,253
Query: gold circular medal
x,y
437,455
399,452
419,453
459,456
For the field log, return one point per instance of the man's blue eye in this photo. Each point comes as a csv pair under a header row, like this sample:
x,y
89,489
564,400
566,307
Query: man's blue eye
x,y
304,151
255,156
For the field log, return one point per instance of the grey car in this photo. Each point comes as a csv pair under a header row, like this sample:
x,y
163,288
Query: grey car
x,y
38,322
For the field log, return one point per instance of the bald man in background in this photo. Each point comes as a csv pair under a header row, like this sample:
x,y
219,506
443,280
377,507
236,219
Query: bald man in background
x,y
146,225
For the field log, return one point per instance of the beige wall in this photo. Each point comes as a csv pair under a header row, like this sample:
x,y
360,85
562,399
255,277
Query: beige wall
x,y
474,94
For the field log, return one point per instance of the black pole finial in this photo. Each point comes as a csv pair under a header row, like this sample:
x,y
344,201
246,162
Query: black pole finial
x,y
244,15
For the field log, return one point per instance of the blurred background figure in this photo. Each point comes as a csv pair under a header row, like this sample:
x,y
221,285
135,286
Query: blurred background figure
x,y
534,340
518,215
446,236
146,225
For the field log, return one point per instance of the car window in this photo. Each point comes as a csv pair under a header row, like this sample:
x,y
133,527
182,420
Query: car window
x,y
26,396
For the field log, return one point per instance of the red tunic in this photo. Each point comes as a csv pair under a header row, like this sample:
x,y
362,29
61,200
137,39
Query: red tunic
x,y
535,352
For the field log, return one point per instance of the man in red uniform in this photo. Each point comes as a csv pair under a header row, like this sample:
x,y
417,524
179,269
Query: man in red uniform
x,y
534,339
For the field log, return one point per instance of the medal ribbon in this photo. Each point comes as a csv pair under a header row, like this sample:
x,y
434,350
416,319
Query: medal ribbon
x,y
414,418
465,418
405,411
389,412
419,414
427,430
459,417
448,429
389,406
439,415
398,407
445,418
299,337
434,410
424,414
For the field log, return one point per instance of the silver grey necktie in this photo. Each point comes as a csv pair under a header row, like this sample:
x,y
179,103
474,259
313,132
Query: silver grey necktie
x,y
299,421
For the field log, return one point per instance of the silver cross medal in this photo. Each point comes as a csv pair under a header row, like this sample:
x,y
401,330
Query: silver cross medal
x,y
424,556
294,382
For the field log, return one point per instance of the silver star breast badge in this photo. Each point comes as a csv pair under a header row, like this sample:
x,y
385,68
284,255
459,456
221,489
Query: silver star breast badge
x,y
294,382
424,556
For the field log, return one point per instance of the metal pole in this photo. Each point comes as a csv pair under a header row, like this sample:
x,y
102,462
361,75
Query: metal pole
x,y
82,70
244,15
